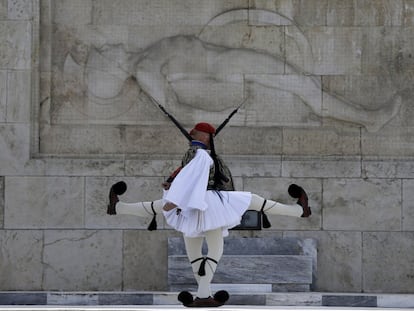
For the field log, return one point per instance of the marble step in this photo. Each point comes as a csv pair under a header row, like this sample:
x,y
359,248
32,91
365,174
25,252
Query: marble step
x,y
311,299
245,269
284,264
255,246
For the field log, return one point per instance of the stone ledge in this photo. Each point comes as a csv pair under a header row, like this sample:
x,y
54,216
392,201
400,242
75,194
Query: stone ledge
x,y
317,299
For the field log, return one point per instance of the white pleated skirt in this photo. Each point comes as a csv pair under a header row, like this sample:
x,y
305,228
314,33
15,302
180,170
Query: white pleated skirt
x,y
224,210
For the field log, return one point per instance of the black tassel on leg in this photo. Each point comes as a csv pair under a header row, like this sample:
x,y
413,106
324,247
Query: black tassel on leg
x,y
153,225
265,221
202,268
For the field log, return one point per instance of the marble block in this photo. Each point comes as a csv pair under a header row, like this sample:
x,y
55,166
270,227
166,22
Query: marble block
x,y
1,202
394,273
44,202
98,298
20,261
16,54
293,299
408,210
18,92
253,246
15,148
82,259
3,94
126,299
69,299
239,299
268,269
349,301
15,298
20,9
355,204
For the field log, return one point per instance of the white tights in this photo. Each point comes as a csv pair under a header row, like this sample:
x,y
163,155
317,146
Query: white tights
x,y
143,209
214,240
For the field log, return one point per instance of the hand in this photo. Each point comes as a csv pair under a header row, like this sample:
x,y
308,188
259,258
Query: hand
x,y
169,206
166,185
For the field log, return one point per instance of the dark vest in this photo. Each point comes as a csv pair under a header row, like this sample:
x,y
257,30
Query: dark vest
x,y
224,170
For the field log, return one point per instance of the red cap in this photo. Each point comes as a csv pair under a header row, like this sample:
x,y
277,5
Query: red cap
x,y
204,127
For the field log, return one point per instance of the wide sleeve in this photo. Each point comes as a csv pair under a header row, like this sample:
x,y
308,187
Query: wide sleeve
x,y
189,188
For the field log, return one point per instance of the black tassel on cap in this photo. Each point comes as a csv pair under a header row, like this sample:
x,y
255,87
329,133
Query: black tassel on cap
x,y
153,225
265,221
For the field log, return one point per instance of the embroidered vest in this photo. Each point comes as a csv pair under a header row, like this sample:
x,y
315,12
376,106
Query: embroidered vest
x,y
225,185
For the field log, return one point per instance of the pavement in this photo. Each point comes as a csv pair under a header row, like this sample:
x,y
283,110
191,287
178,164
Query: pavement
x,y
173,308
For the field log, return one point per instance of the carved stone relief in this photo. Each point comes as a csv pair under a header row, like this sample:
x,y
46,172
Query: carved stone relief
x,y
288,74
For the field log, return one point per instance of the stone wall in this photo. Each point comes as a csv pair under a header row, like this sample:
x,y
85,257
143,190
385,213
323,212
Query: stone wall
x,y
327,91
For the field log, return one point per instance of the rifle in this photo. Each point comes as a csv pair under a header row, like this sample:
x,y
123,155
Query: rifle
x,y
177,124
222,125
174,120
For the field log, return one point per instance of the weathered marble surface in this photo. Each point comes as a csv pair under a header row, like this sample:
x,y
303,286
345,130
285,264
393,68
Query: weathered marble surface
x,y
374,167
391,142
15,148
145,259
15,44
322,166
362,205
1,202
288,299
395,268
21,264
349,301
3,95
400,300
409,10
49,202
339,13
3,9
342,252
323,142
20,9
18,91
79,259
408,210
14,298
